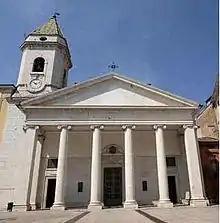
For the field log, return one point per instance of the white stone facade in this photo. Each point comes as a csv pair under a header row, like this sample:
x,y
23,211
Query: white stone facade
x,y
77,130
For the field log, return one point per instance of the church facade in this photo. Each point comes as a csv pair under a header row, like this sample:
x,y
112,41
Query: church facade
x,y
108,141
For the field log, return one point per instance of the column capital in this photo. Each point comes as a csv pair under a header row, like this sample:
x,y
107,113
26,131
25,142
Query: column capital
x,y
34,127
192,126
159,126
124,127
67,127
93,127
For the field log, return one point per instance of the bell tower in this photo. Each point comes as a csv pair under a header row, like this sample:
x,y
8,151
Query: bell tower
x,y
45,61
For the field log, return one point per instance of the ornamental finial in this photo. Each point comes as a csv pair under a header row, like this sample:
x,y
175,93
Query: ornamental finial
x,y
55,14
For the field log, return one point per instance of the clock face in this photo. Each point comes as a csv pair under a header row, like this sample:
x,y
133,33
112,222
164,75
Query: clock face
x,y
36,84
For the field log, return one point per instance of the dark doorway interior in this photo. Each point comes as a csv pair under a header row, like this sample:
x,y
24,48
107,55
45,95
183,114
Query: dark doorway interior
x,y
50,192
172,189
112,186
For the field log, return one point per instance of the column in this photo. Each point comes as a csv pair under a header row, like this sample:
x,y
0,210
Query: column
x,y
194,167
59,202
130,201
164,200
34,189
95,196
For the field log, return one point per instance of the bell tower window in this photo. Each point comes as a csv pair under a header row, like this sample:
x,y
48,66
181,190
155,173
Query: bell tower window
x,y
38,65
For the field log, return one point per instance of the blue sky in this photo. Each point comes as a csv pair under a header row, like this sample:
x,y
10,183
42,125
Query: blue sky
x,y
172,44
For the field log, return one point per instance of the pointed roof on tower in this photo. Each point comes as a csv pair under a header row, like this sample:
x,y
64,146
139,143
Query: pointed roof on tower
x,y
50,28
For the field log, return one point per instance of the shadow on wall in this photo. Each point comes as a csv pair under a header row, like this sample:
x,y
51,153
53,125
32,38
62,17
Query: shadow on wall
x,y
210,166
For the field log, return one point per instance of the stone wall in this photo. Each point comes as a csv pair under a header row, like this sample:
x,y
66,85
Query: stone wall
x,y
208,123
15,159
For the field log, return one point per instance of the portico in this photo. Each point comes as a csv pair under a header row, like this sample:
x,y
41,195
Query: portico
x,y
126,132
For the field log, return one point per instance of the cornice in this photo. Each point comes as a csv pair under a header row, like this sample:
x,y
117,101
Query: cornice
x,y
122,107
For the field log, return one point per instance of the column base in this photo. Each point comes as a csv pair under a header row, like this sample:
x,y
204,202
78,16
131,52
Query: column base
x,y
32,207
130,204
58,207
164,204
95,205
199,202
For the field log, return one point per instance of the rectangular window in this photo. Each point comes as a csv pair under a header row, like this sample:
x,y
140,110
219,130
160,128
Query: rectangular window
x,y
144,185
80,186
52,163
171,162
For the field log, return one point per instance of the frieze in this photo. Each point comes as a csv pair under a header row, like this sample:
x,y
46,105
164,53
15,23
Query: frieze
x,y
69,114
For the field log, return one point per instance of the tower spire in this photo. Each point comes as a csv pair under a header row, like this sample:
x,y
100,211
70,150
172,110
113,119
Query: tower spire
x,y
51,27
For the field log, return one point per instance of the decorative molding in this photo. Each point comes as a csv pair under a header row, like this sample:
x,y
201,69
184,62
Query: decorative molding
x,y
119,150
112,158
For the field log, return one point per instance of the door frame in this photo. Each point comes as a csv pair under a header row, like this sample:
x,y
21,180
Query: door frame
x,y
103,186
45,189
123,182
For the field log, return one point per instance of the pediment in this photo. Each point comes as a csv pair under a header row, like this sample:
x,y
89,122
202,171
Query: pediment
x,y
109,93
112,90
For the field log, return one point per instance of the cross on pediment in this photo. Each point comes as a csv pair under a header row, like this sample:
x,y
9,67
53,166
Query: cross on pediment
x,y
113,66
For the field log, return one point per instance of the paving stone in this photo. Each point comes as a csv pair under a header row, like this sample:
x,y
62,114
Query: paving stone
x,y
47,216
186,214
118,215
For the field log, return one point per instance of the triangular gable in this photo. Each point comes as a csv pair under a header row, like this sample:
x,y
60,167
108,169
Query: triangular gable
x,y
111,89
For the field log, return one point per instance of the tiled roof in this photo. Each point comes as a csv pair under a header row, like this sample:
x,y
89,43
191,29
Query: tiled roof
x,y
49,28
